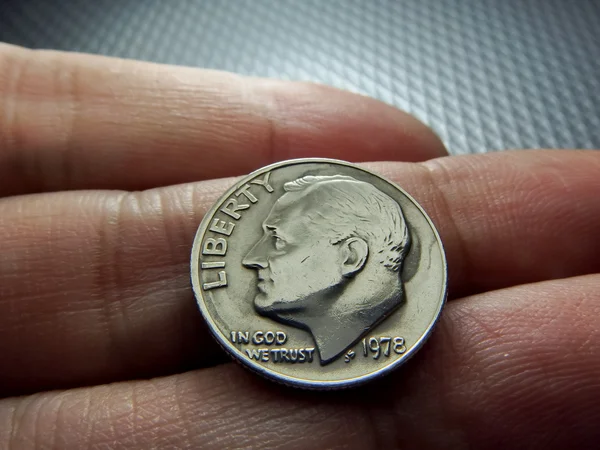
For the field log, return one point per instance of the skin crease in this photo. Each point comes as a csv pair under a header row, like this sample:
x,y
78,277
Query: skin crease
x,y
101,341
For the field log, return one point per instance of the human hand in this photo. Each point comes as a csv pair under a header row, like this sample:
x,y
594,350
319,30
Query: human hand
x,y
94,278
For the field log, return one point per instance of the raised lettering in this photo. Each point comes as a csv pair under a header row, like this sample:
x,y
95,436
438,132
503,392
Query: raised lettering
x,y
243,337
213,265
280,338
301,355
258,338
375,347
253,354
275,354
222,227
382,346
217,284
232,207
264,182
264,354
269,337
214,247
290,355
399,345
244,191
383,341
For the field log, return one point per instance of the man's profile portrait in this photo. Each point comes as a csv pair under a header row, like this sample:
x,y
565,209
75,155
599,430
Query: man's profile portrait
x,y
330,260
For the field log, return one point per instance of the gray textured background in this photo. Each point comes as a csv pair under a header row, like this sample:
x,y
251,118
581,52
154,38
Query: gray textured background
x,y
485,74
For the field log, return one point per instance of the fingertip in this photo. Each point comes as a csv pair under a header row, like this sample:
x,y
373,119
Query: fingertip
x,y
313,120
77,121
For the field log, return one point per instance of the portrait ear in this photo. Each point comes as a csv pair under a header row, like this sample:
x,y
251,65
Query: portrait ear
x,y
354,253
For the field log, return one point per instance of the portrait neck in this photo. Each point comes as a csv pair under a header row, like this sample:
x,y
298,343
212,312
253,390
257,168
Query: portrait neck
x,y
350,317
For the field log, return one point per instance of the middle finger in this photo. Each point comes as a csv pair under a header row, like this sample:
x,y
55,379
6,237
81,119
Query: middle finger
x,y
94,286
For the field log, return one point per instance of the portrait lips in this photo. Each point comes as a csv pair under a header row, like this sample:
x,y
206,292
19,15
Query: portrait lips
x,y
262,281
261,286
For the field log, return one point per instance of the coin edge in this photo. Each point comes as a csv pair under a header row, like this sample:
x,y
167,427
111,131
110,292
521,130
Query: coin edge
x,y
269,373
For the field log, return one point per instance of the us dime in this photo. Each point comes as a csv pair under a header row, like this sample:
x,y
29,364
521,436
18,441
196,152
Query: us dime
x,y
318,273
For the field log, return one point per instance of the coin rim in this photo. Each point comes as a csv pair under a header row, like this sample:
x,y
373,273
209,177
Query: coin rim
x,y
271,374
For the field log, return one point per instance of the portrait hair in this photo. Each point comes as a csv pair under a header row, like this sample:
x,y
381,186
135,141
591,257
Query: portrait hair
x,y
348,208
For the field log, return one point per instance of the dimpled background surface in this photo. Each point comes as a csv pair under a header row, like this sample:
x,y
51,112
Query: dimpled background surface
x,y
485,74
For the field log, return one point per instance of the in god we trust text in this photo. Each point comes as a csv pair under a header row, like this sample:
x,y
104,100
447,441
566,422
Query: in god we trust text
x,y
273,350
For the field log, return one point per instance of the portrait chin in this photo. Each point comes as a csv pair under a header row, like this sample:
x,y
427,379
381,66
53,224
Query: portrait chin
x,y
274,308
266,305
262,302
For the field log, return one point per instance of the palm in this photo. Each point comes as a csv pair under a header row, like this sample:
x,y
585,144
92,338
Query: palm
x,y
94,284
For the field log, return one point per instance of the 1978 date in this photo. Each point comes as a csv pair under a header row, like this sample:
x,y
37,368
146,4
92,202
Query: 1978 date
x,y
383,346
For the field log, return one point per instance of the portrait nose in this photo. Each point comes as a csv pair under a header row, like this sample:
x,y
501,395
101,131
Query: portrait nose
x,y
256,258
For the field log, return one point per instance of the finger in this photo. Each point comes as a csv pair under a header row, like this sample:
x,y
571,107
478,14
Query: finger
x,y
508,219
94,286
70,121
516,368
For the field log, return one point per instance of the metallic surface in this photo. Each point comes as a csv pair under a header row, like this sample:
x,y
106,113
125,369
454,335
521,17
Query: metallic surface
x,y
485,74
318,274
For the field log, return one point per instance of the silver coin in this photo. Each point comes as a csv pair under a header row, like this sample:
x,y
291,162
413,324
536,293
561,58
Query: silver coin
x,y
318,273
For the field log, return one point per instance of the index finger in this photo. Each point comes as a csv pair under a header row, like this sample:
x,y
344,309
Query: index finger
x,y
73,121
